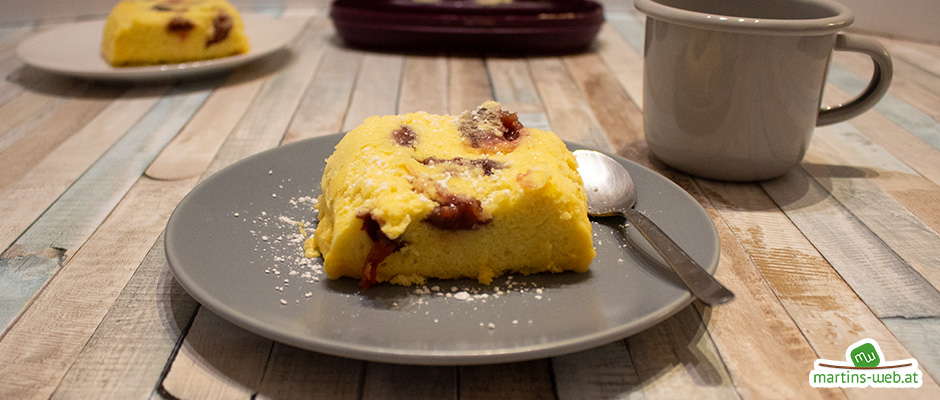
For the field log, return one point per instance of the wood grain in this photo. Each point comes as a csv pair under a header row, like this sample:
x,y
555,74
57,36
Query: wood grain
x,y
323,108
677,359
10,63
826,310
604,372
674,358
512,381
126,356
895,203
759,343
40,348
264,125
22,113
217,360
911,119
625,62
512,84
53,175
902,145
875,272
631,26
910,84
294,373
376,90
468,84
423,85
920,337
922,55
77,213
389,381
19,157
567,109
188,155
8,68
609,102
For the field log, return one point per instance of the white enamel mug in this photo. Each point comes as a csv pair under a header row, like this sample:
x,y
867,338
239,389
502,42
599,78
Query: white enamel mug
x,y
732,89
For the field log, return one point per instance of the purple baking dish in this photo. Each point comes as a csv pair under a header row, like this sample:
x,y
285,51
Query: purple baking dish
x,y
516,27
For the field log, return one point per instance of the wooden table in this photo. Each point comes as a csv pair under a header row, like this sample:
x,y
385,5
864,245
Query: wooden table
x,y
845,247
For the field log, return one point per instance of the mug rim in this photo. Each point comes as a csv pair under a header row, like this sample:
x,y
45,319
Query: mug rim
x,y
767,26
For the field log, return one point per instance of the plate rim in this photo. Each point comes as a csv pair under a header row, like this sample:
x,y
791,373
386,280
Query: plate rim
x,y
435,357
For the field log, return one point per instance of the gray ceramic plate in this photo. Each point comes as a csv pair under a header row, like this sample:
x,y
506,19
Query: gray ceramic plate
x,y
234,245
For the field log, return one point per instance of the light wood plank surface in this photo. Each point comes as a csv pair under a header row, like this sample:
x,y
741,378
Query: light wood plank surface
x,y
128,352
25,111
842,248
188,155
376,89
824,307
601,373
421,83
82,293
25,200
323,108
64,227
53,129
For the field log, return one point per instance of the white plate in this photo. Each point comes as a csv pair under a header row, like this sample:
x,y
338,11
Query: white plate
x,y
232,243
75,50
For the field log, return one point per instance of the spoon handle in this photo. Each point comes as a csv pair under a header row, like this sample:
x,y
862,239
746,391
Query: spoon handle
x,y
702,284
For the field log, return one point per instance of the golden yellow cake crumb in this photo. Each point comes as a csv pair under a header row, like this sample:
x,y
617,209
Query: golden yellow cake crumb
x,y
143,32
416,196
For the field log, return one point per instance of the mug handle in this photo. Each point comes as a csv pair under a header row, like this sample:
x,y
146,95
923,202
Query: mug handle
x,y
877,87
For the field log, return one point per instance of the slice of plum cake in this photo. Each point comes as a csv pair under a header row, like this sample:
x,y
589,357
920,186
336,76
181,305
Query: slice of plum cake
x,y
406,198
146,32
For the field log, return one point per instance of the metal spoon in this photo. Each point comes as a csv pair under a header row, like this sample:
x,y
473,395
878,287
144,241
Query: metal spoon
x,y
611,191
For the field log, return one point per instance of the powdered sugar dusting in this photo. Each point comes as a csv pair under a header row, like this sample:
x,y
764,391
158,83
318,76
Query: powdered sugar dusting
x,y
279,244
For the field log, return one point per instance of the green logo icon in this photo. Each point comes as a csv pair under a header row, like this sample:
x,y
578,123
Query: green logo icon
x,y
865,355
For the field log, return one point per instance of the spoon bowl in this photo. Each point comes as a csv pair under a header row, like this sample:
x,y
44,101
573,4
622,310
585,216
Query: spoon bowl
x,y
611,191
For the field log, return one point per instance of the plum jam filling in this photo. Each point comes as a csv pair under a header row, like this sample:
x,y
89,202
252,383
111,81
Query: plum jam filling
x,y
512,125
485,164
405,136
490,129
180,26
457,212
221,26
382,247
